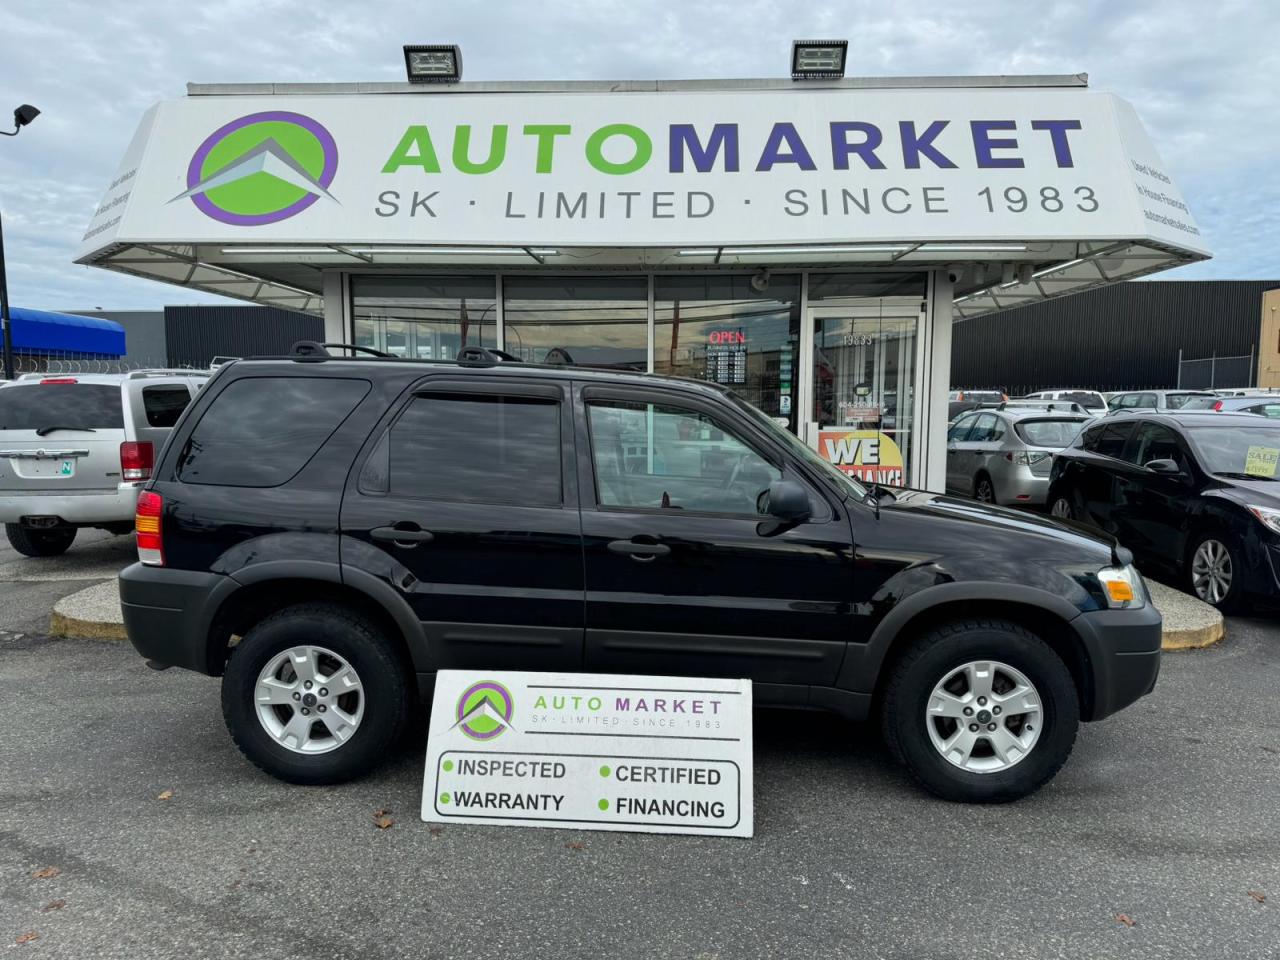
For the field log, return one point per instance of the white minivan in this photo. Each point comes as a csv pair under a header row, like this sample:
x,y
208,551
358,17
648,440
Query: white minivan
x,y
75,448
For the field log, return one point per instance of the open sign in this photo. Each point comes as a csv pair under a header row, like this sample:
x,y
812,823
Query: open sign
x,y
734,337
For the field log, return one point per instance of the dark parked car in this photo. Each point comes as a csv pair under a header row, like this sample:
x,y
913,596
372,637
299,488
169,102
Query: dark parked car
x,y
1193,494
328,533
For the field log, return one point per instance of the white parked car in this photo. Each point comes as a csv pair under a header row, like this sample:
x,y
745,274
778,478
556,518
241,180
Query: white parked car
x,y
75,448
1094,403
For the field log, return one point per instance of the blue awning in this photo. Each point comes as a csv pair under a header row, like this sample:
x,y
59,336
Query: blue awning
x,y
39,331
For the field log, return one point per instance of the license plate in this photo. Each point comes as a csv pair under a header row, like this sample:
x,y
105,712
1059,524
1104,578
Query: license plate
x,y
49,469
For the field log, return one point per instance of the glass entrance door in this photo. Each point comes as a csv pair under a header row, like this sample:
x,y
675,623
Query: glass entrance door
x,y
864,390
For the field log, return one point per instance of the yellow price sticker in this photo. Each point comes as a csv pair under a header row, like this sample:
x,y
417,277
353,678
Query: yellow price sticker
x,y
1261,461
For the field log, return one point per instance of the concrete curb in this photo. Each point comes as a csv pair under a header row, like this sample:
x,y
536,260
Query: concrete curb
x,y
1189,623
93,612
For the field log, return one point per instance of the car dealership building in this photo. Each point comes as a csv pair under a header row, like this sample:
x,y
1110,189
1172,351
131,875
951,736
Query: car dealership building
x,y
808,243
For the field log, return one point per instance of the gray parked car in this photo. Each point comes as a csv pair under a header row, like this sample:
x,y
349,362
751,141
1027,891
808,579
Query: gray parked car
x,y
74,450
1265,404
1004,455
1163,401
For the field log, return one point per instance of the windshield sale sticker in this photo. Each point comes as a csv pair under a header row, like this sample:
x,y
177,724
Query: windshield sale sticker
x,y
590,752
1261,461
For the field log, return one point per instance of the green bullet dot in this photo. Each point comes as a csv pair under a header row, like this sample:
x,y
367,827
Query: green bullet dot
x,y
604,771
444,798
448,765
604,804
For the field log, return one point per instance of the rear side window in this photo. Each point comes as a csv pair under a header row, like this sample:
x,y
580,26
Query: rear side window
x,y
1113,438
260,431
477,447
164,405
1047,433
70,406
1177,401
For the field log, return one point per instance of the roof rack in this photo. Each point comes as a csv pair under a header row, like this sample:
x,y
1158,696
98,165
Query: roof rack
x,y
484,357
162,372
1050,405
312,349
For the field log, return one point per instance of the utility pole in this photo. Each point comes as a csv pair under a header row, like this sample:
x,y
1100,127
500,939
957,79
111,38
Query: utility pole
x,y
21,117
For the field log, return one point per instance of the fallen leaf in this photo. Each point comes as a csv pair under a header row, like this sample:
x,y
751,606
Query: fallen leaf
x,y
382,822
576,845
53,905
44,873
1258,895
1127,920
165,795
382,813
436,831
28,937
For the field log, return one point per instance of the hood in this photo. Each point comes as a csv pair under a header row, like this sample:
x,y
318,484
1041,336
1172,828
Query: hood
x,y
1055,535
1260,493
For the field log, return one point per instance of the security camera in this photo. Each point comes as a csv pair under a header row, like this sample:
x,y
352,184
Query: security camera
x,y
956,272
24,115
760,282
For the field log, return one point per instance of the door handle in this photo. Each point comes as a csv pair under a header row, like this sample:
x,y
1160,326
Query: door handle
x,y
640,552
403,534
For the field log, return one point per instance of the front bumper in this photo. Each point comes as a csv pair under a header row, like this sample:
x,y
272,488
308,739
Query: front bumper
x,y
85,508
1123,649
167,614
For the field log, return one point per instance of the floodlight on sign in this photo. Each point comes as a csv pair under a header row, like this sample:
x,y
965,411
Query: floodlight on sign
x,y
818,59
433,62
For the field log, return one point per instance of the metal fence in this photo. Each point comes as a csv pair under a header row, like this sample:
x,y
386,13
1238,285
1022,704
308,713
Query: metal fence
x,y
60,363
1208,373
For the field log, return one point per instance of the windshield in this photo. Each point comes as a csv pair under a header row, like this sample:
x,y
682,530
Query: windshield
x,y
826,469
1048,433
1239,451
1176,401
1197,403
68,406
1086,399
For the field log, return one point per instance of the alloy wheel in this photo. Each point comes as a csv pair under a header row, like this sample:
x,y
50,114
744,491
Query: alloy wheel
x,y
309,699
986,493
1061,509
984,716
1211,571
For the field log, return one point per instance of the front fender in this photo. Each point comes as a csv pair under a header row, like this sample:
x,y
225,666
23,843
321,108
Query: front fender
x,y
864,661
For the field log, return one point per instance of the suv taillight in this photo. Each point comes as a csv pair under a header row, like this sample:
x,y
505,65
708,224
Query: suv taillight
x,y
146,522
1217,407
136,459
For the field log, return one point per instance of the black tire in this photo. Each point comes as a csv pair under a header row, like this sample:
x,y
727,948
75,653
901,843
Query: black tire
x,y
1061,507
384,680
981,493
1235,600
929,660
49,542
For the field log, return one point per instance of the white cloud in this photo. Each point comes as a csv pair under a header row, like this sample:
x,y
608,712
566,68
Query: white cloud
x,y
1201,76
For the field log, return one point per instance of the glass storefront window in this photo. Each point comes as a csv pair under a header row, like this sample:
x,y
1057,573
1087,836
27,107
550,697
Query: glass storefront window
x,y
426,318
718,328
588,321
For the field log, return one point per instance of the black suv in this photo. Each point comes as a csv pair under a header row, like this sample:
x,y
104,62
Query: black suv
x,y
326,533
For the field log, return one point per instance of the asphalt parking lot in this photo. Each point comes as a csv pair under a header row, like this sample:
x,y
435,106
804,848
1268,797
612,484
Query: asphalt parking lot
x,y
1161,837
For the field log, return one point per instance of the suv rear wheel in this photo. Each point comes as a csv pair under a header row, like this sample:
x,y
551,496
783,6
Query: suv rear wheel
x,y
32,542
981,711
314,694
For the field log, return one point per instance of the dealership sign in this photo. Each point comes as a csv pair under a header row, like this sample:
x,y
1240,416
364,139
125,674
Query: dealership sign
x,y
591,752
869,455
643,169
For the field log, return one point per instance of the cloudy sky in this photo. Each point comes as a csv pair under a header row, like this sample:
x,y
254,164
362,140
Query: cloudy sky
x,y
1203,77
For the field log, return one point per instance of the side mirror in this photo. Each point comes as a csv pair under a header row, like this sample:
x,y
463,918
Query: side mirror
x,y
788,501
1168,468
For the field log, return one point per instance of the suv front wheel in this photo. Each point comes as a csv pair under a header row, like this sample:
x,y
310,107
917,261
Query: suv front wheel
x,y
314,694
981,711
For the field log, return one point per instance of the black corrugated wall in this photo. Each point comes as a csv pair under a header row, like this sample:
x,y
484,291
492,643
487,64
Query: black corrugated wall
x,y
1113,338
195,335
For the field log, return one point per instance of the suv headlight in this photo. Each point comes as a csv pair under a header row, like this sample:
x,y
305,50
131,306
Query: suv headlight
x,y
1122,587
1269,518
